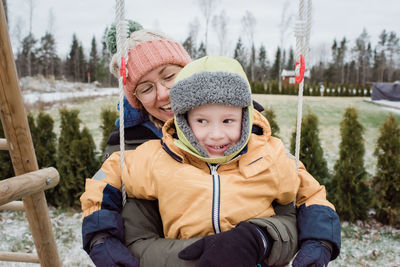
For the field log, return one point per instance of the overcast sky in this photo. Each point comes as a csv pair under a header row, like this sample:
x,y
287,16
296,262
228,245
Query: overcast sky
x,y
87,18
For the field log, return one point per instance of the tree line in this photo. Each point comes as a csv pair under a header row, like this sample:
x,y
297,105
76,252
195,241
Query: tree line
x,y
359,65
39,57
356,63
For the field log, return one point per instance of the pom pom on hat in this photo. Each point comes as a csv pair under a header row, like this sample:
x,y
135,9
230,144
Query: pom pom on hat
x,y
111,36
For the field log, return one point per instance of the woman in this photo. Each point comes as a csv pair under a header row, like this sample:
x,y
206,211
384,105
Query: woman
x,y
154,61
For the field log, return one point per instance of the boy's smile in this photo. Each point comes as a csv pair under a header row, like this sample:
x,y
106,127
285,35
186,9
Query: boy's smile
x,y
216,127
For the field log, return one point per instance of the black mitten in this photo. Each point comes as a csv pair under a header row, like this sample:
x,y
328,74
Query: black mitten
x,y
111,252
313,253
245,245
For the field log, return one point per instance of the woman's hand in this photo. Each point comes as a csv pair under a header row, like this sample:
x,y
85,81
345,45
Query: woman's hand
x,y
245,245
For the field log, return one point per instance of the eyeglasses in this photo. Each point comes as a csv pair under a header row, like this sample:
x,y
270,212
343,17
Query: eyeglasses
x,y
147,92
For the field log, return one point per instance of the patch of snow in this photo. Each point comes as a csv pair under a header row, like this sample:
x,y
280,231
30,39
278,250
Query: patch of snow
x,y
16,237
34,97
39,89
363,243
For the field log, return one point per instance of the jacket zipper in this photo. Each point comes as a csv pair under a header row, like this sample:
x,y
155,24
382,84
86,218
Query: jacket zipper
x,y
216,198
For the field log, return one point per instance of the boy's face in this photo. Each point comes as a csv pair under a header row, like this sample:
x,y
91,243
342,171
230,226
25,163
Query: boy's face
x,y
216,127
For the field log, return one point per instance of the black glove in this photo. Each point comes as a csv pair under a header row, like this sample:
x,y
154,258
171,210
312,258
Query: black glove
x,y
313,253
110,251
245,245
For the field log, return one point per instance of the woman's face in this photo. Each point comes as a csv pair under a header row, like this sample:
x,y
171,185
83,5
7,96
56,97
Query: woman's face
x,y
152,90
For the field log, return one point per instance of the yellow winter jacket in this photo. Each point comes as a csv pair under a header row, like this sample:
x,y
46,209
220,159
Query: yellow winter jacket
x,y
198,199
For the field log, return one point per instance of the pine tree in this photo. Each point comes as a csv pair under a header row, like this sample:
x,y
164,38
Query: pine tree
x,y
349,191
32,126
93,61
251,66
65,163
291,62
311,153
84,164
201,52
262,64
76,161
270,115
276,65
108,118
190,47
103,75
82,65
46,139
387,179
6,167
27,58
240,54
72,62
47,56
44,142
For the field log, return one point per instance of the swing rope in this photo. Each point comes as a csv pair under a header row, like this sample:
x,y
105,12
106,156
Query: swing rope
x,y
302,33
122,36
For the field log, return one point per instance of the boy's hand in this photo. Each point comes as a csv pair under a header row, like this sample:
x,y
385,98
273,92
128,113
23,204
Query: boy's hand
x,y
245,245
313,253
111,252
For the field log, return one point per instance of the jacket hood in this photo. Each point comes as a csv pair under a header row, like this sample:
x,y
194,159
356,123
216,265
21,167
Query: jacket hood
x,y
210,80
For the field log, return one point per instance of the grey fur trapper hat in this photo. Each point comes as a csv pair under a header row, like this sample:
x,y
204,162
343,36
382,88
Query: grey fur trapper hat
x,y
211,80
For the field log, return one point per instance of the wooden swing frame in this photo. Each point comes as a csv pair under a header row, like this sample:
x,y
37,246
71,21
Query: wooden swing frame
x,y
29,183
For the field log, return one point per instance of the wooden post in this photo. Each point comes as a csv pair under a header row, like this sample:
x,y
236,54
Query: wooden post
x,y
27,184
3,144
16,130
13,206
19,257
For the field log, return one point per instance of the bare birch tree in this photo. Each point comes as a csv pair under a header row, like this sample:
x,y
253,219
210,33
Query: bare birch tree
x,y
284,24
32,5
382,56
393,49
51,22
248,26
207,8
194,28
220,26
362,51
190,44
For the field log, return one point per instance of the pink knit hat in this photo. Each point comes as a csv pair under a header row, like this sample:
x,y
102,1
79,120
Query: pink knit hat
x,y
146,51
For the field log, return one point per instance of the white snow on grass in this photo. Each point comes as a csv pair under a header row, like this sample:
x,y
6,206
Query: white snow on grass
x,y
58,96
67,225
39,89
363,244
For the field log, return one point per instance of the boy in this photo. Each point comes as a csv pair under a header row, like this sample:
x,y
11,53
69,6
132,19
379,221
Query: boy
x,y
216,171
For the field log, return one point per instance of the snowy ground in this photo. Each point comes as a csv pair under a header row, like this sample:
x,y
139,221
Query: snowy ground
x,y
16,237
42,90
363,244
